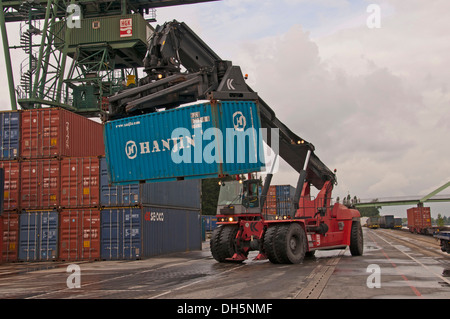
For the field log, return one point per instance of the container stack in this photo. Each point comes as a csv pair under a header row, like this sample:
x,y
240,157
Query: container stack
x,y
270,205
58,204
285,194
278,201
9,161
144,220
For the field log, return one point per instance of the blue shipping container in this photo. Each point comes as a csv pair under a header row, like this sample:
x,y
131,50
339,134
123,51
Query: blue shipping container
x,y
38,235
9,135
197,141
210,222
284,192
116,195
284,208
121,233
132,233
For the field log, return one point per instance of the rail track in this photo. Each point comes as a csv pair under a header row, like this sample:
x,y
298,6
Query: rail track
x,y
423,243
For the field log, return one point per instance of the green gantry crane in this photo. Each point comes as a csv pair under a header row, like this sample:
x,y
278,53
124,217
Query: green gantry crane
x,y
77,52
410,200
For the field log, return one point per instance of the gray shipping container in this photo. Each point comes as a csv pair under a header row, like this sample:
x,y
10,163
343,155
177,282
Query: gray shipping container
x,y
184,193
132,233
386,221
166,230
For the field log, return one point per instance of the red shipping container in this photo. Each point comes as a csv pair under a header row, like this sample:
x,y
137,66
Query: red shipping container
x,y
54,132
40,184
12,184
79,234
419,219
272,191
80,182
10,236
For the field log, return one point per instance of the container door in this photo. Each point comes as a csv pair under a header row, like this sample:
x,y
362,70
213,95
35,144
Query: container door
x,y
12,184
28,242
121,233
10,236
80,182
9,135
50,183
90,227
131,245
110,234
48,244
38,236
80,234
129,195
109,194
69,248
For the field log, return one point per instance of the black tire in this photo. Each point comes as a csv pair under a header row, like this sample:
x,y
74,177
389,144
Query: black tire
x,y
214,243
290,243
269,244
356,239
222,243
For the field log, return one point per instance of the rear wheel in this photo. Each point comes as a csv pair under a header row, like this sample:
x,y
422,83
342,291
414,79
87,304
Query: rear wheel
x,y
222,243
356,239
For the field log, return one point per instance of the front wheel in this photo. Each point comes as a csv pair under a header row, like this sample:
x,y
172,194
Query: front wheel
x,y
222,243
356,239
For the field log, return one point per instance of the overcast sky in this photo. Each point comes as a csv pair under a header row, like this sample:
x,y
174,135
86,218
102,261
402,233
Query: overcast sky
x,y
374,101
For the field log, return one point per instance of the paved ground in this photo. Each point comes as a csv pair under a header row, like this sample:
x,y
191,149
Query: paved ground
x,y
394,265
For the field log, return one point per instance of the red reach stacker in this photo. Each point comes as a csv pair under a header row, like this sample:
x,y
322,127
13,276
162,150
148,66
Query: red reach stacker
x,y
181,68
314,225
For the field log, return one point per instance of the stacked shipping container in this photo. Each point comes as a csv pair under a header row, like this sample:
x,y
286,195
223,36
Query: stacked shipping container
x,y
143,220
285,194
278,201
51,164
9,161
59,204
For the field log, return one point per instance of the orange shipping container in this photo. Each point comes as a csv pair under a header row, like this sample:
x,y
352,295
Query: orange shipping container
x,y
10,236
55,132
79,234
12,184
419,219
40,184
80,182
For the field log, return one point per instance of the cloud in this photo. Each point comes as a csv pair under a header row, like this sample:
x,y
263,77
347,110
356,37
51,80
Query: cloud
x,y
375,105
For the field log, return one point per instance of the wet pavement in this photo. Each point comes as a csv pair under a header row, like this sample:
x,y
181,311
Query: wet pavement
x,y
394,265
